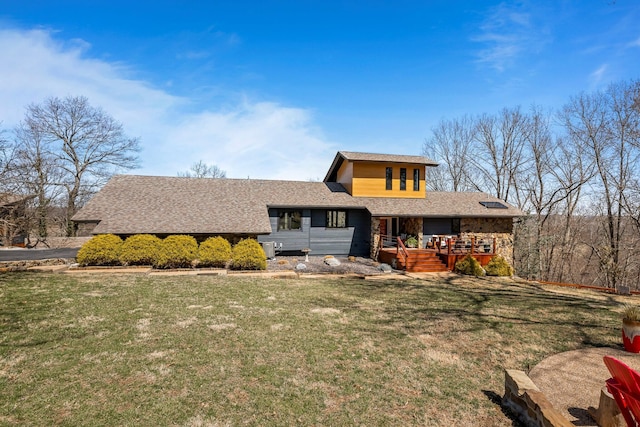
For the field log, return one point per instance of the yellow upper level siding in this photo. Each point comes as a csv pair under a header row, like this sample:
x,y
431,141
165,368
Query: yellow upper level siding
x,y
368,179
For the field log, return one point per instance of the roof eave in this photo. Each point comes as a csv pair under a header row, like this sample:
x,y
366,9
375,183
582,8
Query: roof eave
x,y
335,165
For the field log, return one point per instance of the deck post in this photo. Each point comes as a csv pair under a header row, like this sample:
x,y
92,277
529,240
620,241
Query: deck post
x,y
473,244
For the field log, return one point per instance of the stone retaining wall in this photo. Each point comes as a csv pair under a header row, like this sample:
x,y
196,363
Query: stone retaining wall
x,y
531,406
62,242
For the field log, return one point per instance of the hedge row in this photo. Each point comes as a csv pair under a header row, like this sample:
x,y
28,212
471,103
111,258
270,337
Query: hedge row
x,y
175,251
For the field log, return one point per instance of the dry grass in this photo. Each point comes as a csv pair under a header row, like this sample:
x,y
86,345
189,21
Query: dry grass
x,y
228,351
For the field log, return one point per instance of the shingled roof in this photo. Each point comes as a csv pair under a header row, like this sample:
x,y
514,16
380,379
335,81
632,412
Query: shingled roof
x,y
8,199
131,204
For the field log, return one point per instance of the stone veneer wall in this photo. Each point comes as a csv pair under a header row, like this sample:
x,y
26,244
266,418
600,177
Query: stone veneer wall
x,y
85,229
375,237
489,228
526,400
413,227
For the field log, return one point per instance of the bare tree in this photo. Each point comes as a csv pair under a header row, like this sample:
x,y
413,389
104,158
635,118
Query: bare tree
x,y
88,145
452,145
606,123
500,157
573,171
551,186
6,155
201,170
35,171
534,184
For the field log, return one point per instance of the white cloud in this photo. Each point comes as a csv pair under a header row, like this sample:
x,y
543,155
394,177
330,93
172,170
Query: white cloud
x,y
507,35
599,75
256,139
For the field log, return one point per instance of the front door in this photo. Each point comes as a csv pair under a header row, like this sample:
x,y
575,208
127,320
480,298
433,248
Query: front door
x,y
390,227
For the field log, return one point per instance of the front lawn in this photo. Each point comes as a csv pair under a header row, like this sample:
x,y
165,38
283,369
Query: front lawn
x,y
231,351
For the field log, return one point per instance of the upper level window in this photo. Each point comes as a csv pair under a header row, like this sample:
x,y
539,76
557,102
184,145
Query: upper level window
x,y
416,180
289,220
403,179
336,219
389,178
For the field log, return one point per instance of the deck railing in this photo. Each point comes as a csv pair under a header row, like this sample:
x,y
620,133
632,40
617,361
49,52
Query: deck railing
x,y
387,241
472,246
402,251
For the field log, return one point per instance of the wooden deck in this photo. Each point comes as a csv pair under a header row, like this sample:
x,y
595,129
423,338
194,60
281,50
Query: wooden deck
x,y
442,257
418,260
428,260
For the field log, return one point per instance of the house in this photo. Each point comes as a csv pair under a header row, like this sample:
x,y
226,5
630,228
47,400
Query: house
x,y
13,219
364,202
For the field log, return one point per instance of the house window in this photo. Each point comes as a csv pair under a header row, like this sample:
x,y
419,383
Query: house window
x,y
403,179
290,220
336,219
455,225
416,180
389,176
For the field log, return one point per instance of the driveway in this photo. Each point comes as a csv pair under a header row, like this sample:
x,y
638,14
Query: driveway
x,y
36,254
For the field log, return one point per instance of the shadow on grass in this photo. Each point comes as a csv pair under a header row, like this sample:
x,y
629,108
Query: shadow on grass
x,y
588,323
496,399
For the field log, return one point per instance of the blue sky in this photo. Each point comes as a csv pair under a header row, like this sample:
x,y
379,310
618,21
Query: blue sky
x,y
272,89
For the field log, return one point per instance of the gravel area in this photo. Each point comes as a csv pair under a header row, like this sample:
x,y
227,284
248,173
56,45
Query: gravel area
x,y
317,264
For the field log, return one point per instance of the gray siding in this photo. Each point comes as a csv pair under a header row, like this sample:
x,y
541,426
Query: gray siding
x,y
351,240
331,241
292,240
360,220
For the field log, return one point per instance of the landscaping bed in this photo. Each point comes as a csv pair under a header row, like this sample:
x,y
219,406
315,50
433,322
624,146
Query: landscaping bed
x,y
317,264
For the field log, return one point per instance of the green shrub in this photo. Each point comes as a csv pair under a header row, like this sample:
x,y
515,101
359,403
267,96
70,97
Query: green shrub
x,y
469,266
498,266
411,242
140,249
103,249
214,252
248,255
177,251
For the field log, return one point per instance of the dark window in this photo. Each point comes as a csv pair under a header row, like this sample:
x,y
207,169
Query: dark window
x,y
389,176
416,180
403,179
289,220
455,226
336,219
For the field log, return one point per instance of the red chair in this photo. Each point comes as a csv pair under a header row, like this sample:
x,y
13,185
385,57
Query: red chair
x,y
624,386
